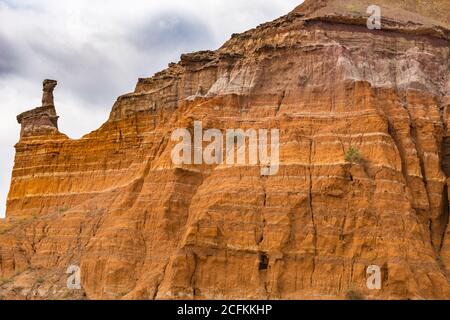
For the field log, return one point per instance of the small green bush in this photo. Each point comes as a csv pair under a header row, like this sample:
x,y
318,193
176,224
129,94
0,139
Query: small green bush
x,y
354,294
353,155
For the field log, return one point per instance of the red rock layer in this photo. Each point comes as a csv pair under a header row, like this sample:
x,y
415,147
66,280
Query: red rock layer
x,y
143,228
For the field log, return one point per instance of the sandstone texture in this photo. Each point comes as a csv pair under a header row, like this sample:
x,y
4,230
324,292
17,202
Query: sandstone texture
x,y
140,227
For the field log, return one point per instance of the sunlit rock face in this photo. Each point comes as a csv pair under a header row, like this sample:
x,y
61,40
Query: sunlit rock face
x,y
140,227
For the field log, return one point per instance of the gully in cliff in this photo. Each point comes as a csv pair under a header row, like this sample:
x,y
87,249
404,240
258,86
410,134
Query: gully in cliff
x,y
41,120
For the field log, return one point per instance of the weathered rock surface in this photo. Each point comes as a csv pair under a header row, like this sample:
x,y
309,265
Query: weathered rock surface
x,y
142,228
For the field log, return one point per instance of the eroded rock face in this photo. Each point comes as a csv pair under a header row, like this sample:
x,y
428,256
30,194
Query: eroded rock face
x,y
42,121
142,228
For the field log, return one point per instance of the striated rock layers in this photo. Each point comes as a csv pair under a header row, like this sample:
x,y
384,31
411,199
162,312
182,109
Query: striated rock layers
x,y
139,227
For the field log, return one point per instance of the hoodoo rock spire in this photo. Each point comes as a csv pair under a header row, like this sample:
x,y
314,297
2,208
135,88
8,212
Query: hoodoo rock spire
x,y
42,120
362,184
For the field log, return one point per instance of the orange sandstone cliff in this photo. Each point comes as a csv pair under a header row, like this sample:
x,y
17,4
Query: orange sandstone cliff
x,y
139,227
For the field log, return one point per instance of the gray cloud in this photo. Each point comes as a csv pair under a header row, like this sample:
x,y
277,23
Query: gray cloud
x,y
86,71
90,69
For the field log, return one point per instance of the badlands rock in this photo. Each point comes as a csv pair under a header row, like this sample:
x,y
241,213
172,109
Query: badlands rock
x,y
139,227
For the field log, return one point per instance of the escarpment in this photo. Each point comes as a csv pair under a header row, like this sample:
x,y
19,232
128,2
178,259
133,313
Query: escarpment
x,y
140,227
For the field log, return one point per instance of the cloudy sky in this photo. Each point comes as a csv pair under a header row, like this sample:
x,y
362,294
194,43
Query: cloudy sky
x,y
97,49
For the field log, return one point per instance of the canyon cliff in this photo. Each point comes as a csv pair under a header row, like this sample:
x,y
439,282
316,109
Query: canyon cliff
x,y
140,227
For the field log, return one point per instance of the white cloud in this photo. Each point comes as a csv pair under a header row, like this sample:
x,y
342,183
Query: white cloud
x,y
97,49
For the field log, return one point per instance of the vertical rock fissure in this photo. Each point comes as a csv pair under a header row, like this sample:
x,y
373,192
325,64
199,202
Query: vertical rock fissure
x,y
445,156
445,166
414,136
401,150
263,255
262,220
158,285
194,277
183,229
310,200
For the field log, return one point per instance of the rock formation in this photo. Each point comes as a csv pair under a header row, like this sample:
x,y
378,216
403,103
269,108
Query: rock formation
x,y
140,227
47,96
41,121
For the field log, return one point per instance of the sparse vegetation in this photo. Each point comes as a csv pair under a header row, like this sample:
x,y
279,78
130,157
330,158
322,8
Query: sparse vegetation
x,y
40,280
353,155
62,209
354,294
3,281
122,294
